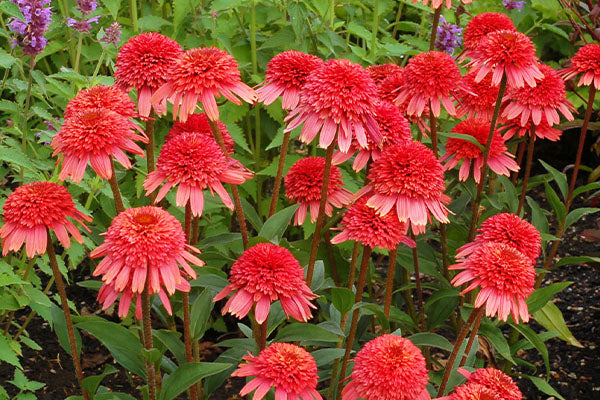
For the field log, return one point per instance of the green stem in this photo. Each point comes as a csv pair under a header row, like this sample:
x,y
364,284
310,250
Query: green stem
x,y
398,16
134,16
26,112
331,13
99,64
374,29
78,55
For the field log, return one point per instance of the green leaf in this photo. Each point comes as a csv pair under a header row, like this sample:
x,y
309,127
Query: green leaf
x,y
172,341
297,331
10,8
123,344
557,30
187,375
551,318
7,353
220,5
544,386
557,205
432,340
325,356
559,178
497,339
152,23
586,188
359,31
576,260
342,299
575,215
536,341
511,196
538,219
463,136
275,226
238,136
181,9
113,7
91,383
60,328
200,314
14,156
541,296
251,214
6,60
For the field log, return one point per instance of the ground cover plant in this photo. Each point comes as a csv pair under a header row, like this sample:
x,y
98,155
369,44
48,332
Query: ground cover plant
x,y
339,198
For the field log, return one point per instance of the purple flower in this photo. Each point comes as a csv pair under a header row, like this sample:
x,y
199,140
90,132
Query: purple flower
x,y
84,25
512,4
30,31
112,34
448,36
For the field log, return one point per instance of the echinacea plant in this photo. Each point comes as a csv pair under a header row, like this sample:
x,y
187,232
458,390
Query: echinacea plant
x,y
310,200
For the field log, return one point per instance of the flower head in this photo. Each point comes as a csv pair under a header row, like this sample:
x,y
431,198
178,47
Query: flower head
x,y
388,367
509,229
548,96
143,63
286,74
457,150
478,98
543,130
435,4
409,177
265,273
513,4
303,184
429,78
448,36
34,208
29,32
144,244
95,135
112,34
288,368
194,162
505,276
108,97
471,391
394,129
361,223
202,74
198,124
587,62
380,72
506,52
337,99
484,23
495,380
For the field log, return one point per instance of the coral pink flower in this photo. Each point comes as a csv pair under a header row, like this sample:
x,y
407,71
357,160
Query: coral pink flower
x,y
303,184
286,74
430,78
505,276
479,98
288,368
380,72
587,62
502,385
500,160
388,367
394,129
337,99
471,391
144,244
95,135
202,74
409,177
362,224
548,96
509,229
34,208
143,63
435,4
192,163
506,52
198,123
543,130
482,24
109,97
265,273
388,88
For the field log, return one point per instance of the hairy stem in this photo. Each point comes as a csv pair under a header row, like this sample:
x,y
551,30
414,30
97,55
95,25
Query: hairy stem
x,y
114,186
389,284
527,169
476,325
434,26
150,163
185,298
147,327
278,177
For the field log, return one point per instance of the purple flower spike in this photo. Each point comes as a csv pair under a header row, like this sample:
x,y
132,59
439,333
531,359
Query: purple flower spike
x,y
513,4
84,25
112,34
448,36
29,32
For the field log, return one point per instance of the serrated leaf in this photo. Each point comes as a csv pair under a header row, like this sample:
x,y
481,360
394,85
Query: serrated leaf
x,y
152,23
556,29
6,60
238,136
551,318
181,9
113,7
7,354
10,8
15,156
